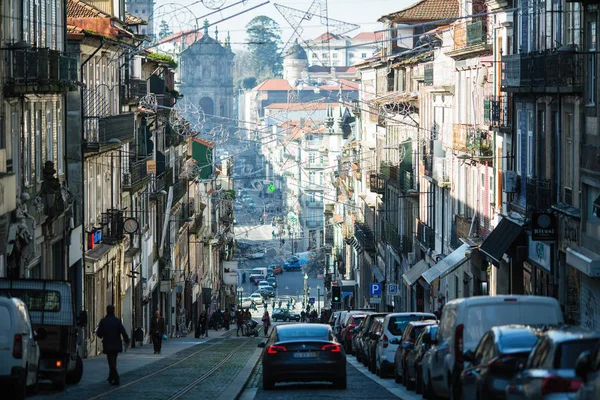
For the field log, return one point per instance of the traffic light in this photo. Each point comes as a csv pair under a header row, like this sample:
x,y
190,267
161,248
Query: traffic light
x,y
336,295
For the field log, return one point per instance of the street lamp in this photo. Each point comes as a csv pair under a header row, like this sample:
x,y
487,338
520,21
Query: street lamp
x,y
305,288
319,299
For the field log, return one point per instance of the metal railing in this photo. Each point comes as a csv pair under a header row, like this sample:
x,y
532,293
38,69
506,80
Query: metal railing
x,y
553,71
41,66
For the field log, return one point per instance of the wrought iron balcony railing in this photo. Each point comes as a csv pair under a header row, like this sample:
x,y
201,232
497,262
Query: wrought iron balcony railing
x,y
425,235
137,173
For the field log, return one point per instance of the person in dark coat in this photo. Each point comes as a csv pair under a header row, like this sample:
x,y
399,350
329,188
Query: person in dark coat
x,y
203,322
110,330
157,329
226,320
239,320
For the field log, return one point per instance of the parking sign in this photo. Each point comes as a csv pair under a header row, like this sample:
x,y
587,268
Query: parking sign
x,y
376,289
392,288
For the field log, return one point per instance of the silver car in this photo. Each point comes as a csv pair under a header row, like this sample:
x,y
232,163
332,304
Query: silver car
x,y
587,367
549,373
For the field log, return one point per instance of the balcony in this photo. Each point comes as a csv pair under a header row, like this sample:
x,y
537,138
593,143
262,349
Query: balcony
x,y
137,176
179,189
138,88
375,183
364,235
407,181
498,112
425,235
459,135
39,70
196,225
391,172
539,193
479,143
590,158
393,238
112,226
120,127
314,204
470,38
545,72
428,165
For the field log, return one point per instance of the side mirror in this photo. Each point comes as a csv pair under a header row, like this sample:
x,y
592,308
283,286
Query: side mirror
x,y
40,334
469,356
261,345
82,320
394,341
582,365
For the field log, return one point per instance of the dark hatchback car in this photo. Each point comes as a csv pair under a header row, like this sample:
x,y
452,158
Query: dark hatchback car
x,y
303,353
414,359
282,314
360,336
411,332
370,346
496,359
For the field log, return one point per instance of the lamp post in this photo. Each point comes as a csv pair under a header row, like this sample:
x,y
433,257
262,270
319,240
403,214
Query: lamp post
x,y
319,299
240,291
305,289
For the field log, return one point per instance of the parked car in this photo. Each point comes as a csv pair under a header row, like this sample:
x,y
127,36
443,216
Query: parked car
x,y
371,344
587,368
51,306
414,359
258,274
332,318
464,322
348,331
345,318
19,350
283,314
262,284
405,344
496,360
303,352
550,368
362,335
256,256
393,328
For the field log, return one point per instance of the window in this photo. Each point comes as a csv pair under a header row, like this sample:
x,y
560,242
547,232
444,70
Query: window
x,y
26,21
350,55
518,144
569,157
324,55
49,28
574,31
12,151
311,158
335,55
38,144
592,203
530,144
49,133
27,148
363,55
591,62
311,177
314,55
60,140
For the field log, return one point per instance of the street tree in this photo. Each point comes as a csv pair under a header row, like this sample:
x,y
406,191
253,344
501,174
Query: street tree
x,y
164,30
264,43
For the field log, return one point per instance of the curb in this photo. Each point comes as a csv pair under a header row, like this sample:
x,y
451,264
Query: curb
x,y
236,388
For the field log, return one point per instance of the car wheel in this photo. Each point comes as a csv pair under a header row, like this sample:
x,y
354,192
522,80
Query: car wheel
x,y
287,320
341,383
419,383
397,377
381,372
268,384
74,376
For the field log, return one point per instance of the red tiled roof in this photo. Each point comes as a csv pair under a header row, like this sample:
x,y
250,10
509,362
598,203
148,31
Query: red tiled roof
x,y
297,106
204,142
425,10
79,9
321,68
131,19
274,84
187,36
371,36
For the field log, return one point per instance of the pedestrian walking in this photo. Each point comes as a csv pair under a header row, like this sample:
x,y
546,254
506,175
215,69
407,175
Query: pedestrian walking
x,y
203,322
110,330
157,329
266,322
239,320
226,320
303,316
247,315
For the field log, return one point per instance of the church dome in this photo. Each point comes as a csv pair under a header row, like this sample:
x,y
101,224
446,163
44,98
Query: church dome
x,y
296,52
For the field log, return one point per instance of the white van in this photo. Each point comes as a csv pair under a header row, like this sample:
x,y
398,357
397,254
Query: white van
x,y
19,351
258,274
465,321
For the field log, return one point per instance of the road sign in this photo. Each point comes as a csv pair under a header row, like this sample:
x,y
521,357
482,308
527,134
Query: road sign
x,y
271,188
375,289
375,300
311,300
392,288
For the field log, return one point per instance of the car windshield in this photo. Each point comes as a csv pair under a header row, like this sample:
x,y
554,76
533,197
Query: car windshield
x,y
397,324
567,352
417,331
517,339
303,332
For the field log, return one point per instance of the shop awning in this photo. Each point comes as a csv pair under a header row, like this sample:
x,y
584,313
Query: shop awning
x,y
496,244
584,260
412,275
377,272
99,251
448,264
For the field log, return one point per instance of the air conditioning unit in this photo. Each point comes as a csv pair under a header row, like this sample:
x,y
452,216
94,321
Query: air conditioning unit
x,y
410,258
509,181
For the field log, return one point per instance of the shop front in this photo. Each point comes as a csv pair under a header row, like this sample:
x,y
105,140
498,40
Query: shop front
x,y
587,263
537,269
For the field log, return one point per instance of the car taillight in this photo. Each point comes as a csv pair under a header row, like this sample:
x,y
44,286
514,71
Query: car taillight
x,y
334,348
386,341
275,349
556,384
18,346
458,343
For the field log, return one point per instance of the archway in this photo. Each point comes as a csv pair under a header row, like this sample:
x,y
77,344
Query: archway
x,y
207,106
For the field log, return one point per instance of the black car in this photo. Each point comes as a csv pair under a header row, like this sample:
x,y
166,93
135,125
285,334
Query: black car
x,y
360,336
303,353
370,344
282,314
496,360
414,359
412,330
267,291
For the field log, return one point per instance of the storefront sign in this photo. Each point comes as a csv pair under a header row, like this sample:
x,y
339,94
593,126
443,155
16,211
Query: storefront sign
x,y
543,227
540,253
568,235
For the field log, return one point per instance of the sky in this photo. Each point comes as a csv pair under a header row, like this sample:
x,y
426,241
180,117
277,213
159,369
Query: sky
x,y
181,15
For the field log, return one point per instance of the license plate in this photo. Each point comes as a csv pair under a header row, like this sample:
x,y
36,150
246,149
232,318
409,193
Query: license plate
x,y
305,355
